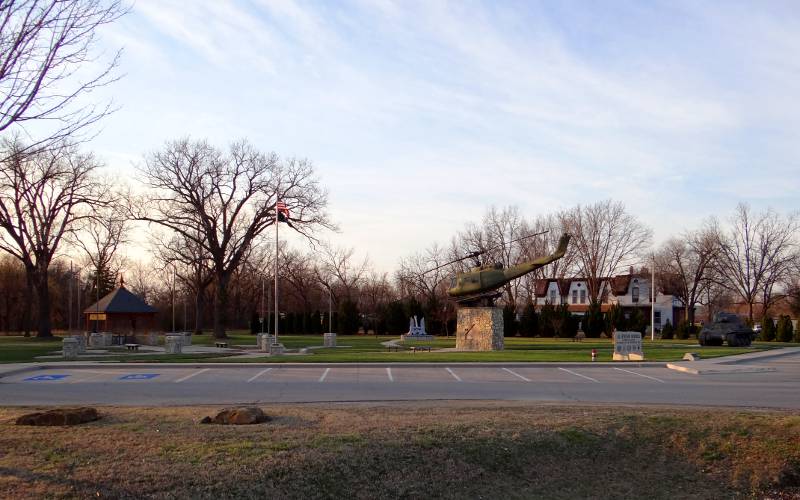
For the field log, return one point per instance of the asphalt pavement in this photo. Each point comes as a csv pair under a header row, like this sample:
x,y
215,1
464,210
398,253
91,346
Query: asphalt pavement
x,y
175,384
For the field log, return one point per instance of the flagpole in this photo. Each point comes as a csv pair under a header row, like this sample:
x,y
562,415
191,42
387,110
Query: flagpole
x,y
71,277
276,270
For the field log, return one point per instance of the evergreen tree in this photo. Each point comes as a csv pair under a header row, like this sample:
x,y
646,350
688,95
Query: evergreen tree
x,y
255,325
767,329
593,321
348,317
566,324
509,321
546,320
637,321
667,332
529,322
615,319
396,319
785,330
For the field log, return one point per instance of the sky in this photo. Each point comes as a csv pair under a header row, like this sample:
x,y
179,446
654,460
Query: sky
x,y
420,115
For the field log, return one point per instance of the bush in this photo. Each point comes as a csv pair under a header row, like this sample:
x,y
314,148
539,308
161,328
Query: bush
x,y
529,322
509,321
594,322
566,324
637,321
767,329
667,332
785,330
546,321
683,331
349,320
615,320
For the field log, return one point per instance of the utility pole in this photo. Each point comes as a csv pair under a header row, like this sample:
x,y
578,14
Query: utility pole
x,y
653,300
263,317
277,200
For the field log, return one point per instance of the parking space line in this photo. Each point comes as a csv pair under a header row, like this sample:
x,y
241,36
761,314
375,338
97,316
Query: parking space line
x,y
579,375
262,372
640,374
517,375
187,377
324,374
453,374
389,374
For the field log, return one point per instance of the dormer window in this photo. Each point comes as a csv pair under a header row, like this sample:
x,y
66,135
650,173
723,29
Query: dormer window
x,y
635,294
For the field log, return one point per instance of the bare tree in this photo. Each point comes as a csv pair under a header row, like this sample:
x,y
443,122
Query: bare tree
x,y
43,198
339,269
224,201
755,255
606,239
683,265
44,44
425,275
100,239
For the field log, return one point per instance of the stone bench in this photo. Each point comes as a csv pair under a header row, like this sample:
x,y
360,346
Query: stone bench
x,y
421,348
221,344
132,347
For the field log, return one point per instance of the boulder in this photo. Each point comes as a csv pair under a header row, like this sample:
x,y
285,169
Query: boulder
x,y
238,416
64,416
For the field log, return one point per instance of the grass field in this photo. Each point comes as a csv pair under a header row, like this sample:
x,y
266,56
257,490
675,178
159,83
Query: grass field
x,y
441,450
367,349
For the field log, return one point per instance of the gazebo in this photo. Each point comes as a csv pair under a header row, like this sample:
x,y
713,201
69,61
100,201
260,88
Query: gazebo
x,y
120,312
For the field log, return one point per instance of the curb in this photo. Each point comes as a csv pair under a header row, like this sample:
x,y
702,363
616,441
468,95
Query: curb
x,y
724,371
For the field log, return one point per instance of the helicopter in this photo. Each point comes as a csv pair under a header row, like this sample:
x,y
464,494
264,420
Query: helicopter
x,y
479,286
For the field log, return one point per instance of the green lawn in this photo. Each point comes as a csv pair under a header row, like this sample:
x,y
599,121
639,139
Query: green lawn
x,y
368,349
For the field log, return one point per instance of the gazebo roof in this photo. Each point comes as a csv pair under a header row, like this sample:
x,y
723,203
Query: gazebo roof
x,y
120,301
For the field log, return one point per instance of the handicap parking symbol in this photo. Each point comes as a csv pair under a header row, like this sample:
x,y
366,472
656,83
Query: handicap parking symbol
x,y
44,378
139,376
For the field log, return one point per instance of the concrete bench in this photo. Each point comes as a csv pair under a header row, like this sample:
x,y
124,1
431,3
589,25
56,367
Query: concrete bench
x,y
421,348
221,344
132,347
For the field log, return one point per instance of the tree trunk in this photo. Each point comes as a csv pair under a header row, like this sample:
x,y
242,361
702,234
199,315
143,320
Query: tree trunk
x,y
221,305
750,316
27,307
43,298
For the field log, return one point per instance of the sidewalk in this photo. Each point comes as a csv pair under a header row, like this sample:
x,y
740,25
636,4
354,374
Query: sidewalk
x,y
742,363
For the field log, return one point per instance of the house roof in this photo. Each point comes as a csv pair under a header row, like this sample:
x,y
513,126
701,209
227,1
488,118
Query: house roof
x,y
120,301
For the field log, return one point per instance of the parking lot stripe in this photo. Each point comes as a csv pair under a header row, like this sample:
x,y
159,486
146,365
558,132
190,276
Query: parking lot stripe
x,y
324,374
262,372
641,375
389,373
517,375
187,377
453,374
579,375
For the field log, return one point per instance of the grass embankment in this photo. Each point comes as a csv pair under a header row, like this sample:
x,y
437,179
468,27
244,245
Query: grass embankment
x,y
458,450
368,349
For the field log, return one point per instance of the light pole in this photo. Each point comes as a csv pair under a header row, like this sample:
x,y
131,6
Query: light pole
x,y
653,300
330,309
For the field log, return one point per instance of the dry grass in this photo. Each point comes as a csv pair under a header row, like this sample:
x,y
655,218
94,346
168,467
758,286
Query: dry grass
x,y
425,450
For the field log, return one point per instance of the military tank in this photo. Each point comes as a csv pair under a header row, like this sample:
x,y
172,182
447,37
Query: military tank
x,y
726,328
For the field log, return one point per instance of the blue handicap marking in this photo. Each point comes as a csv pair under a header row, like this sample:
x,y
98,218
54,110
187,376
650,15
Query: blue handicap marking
x,y
139,376
42,378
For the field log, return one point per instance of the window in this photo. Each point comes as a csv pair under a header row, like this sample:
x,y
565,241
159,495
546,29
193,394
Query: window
x,y
635,294
574,296
583,296
552,296
657,318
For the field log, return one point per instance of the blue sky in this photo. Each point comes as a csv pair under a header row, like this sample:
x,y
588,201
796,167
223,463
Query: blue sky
x,y
419,115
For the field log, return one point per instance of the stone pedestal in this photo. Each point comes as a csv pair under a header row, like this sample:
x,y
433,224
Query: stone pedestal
x,y
329,339
69,347
96,340
81,343
152,338
276,349
173,344
263,340
187,338
479,329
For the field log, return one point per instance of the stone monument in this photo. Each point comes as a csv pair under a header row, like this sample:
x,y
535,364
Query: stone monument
x,y
173,344
69,347
329,339
263,341
416,330
480,329
81,343
628,346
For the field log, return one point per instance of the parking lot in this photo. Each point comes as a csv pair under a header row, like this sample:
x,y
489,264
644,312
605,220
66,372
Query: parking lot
x,y
203,384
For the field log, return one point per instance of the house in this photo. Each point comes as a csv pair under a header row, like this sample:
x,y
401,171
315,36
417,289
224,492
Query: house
x,y
120,312
629,292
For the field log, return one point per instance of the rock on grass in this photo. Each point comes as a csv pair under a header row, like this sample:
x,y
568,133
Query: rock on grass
x,y
63,416
238,416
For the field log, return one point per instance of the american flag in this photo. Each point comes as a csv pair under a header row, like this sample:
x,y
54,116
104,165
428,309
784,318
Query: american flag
x,y
282,209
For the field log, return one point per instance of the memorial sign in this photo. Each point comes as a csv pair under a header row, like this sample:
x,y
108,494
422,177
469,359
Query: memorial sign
x,y
628,346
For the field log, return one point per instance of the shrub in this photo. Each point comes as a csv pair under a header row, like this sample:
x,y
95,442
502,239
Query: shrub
x,y
349,320
529,323
547,318
667,332
509,321
785,330
594,323
565,323
767,329
683,331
